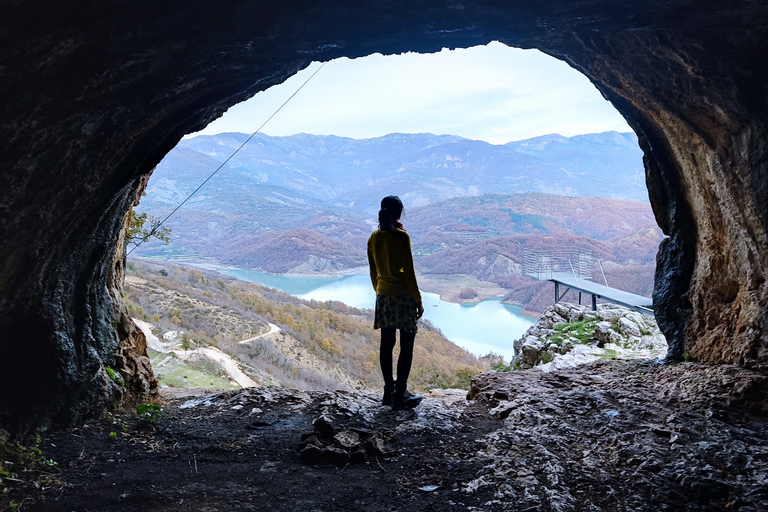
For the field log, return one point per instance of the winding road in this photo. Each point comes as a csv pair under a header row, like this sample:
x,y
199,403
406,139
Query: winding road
x,y
273,329
225,361
228,364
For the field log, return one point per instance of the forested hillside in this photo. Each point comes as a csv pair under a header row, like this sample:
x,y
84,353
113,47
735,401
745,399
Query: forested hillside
x,y
293,250
320,345
306,204
493,215
486,237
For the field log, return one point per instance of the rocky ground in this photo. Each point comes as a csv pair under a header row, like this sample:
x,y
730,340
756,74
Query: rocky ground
x,y
612,435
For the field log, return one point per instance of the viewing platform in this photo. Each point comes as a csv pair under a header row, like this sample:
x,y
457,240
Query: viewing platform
x,y
598,291
571,267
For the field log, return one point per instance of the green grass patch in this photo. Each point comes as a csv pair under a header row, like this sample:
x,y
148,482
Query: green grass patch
x,y
176,373
608,354
114,376
556,339
148,412
463,377
581,330
501,367
17,458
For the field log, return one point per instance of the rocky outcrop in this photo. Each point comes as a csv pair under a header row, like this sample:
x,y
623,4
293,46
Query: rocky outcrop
x,y
327,442
567,335
96,94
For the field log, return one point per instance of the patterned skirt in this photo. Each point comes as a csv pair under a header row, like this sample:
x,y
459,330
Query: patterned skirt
x,y
398,311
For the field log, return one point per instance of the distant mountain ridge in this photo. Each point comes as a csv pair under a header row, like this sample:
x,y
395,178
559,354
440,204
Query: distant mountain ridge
x,y
331,185
424,168
494,215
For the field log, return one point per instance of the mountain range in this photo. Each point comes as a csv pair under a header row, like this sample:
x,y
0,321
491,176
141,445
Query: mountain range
x,y
424,168
307,203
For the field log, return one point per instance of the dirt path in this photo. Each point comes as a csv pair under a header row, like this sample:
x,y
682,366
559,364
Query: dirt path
x,y
273,329
153,341
226,362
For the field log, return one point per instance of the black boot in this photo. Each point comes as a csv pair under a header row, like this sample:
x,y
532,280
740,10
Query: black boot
x,y
388,392
405,400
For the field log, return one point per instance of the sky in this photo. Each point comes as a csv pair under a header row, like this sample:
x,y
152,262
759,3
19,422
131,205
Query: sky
x,y
493,93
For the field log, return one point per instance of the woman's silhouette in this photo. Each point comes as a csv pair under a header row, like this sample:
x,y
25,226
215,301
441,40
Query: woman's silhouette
x,y
398,301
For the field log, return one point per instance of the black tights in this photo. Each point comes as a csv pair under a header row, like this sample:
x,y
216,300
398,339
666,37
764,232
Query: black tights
x,y
403,361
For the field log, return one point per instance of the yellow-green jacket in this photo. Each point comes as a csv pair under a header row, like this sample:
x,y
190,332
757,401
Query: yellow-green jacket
x,y
391,264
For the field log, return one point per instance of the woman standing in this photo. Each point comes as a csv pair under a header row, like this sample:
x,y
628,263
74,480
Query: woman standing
x,y
398,301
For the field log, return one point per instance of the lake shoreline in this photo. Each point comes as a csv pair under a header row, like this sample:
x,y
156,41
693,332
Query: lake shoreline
x,y
480,327
448,286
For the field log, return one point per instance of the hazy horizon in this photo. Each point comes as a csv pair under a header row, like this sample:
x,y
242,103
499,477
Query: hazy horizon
x,y
492,93
201,134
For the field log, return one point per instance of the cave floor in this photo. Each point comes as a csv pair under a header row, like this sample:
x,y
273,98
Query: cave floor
x,y
607,436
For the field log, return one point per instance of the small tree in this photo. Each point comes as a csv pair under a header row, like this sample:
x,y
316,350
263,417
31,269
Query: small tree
x,y
185,342
143,227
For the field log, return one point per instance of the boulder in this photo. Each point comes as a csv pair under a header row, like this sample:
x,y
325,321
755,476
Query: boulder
x,y
608,315
628,327
565,310
545,356
626,334
652,342
602,334
530,352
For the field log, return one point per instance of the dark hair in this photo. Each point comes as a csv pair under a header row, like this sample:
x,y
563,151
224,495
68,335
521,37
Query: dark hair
x,y
391,210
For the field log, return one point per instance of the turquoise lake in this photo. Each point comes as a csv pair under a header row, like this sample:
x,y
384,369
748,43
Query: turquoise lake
x,y
489,326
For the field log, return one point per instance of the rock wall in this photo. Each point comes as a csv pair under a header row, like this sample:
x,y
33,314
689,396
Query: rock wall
x,y
132,361
96,93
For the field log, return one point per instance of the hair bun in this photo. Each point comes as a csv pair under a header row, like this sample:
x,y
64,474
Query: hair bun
x,y
391,210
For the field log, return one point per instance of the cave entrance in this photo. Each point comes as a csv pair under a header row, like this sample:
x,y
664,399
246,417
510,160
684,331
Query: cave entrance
x,y
93,104
472,128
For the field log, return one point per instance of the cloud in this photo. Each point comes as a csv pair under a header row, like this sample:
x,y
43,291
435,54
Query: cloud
x,y
493,93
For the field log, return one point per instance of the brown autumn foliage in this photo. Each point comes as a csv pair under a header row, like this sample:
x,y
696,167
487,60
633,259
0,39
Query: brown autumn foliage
x,y
487,237
220,310
628,264
280,252
532,213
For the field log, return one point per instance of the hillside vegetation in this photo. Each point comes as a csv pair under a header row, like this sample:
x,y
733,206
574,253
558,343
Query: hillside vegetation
x,y
626,262
488,237
306,204
297,250
322,345
493,215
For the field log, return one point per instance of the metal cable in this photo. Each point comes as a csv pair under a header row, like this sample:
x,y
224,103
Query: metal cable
x,y
227,160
